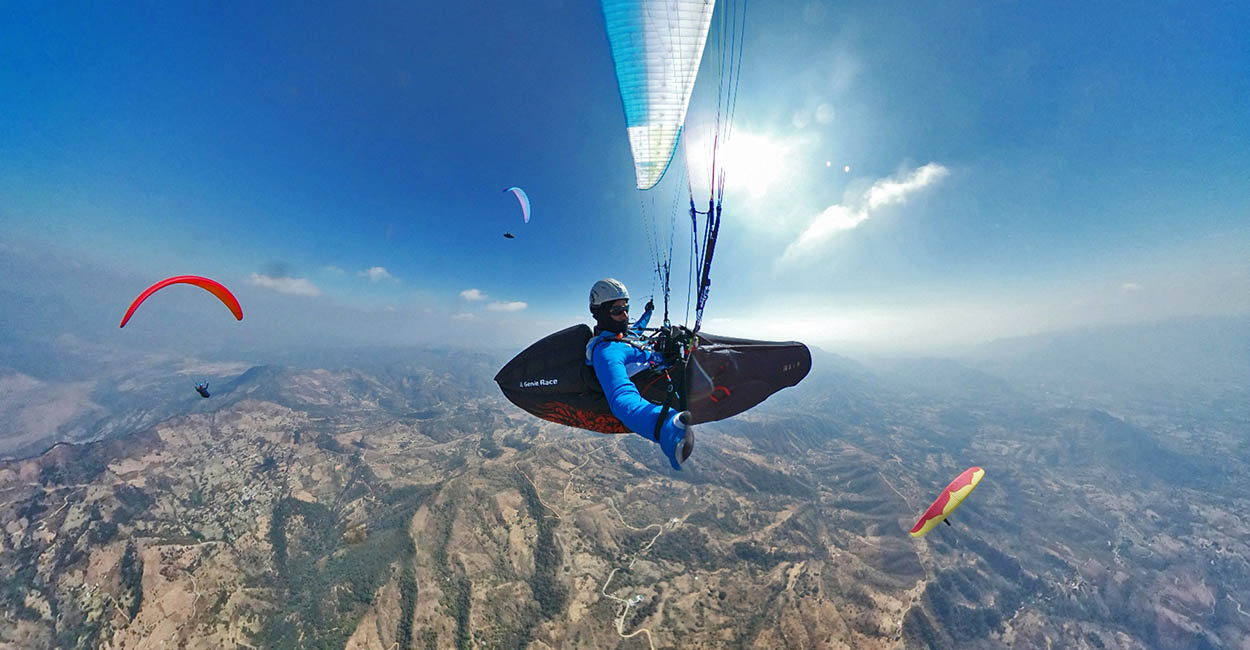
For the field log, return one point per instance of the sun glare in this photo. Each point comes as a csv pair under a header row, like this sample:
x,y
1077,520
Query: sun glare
x,y
751,161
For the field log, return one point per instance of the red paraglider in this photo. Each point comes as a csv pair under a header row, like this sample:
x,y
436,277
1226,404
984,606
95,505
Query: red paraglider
x,y
223,294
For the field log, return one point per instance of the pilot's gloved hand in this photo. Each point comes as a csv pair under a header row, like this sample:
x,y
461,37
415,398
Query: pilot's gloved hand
x,y
677,439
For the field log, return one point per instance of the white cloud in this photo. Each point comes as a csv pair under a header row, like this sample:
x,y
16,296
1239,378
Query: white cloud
x,y
515,305
835,218
892,190
839,217
293,286
376,274
464,317
472,294
1131,286
334,269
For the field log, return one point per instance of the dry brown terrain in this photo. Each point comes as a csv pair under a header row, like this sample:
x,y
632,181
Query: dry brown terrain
x,y
289,526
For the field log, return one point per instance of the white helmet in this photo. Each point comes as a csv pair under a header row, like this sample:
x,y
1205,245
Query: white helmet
x,y
607,290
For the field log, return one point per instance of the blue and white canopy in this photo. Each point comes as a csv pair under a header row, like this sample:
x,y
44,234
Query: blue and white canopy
x,y
656,47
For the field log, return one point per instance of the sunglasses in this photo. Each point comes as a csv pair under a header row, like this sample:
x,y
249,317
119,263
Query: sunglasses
x,y
617,311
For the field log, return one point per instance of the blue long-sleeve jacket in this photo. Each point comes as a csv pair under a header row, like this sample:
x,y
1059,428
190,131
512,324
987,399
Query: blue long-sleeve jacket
x,y
615,361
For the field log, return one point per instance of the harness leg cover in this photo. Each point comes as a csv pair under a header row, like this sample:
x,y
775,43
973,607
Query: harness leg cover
x,y
725,376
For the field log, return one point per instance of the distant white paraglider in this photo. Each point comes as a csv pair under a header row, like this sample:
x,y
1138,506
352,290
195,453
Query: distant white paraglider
x,y
524,199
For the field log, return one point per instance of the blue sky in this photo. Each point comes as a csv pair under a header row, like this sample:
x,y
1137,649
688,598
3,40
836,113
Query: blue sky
x,y
900,176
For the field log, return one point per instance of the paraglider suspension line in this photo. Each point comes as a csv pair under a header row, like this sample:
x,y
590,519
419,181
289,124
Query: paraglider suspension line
x,y
710,232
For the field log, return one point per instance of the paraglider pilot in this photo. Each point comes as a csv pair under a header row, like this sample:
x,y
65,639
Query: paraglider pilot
x,y
617,352
202,389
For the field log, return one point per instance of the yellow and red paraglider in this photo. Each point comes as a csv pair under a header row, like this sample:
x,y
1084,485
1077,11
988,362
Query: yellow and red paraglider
x,y
217,289
948,500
